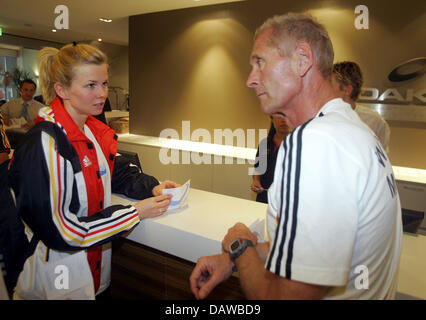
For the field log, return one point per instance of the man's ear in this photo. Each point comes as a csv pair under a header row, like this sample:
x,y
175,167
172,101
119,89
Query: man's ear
x,y
305,58
348,90
61,90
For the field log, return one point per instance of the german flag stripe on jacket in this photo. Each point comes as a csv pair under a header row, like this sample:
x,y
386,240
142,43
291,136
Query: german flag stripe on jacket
x,y
63,178
74,228
53,170
4,142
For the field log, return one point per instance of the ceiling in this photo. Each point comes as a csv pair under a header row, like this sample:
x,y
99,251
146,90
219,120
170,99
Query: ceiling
x,y
36,19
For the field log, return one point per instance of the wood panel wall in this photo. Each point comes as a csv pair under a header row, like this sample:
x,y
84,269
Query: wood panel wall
x,y
142,273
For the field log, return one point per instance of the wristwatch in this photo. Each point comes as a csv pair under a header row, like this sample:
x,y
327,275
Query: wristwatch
x,y
238,246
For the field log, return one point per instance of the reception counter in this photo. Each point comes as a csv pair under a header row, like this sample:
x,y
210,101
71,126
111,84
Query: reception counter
x,y
157,257
198,229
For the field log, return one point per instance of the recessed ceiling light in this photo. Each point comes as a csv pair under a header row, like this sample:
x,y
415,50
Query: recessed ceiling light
x,y
53,30
105,20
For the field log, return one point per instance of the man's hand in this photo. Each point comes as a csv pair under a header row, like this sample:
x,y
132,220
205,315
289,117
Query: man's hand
x,y
158,190
7,121
28,125
208,273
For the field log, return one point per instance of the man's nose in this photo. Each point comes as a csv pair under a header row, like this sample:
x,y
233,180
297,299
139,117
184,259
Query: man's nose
x,y
252,80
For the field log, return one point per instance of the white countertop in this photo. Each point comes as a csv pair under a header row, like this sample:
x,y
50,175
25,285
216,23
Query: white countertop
x,y
412,268
198,230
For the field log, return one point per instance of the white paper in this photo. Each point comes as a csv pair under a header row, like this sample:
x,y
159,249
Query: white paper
x,y
179,196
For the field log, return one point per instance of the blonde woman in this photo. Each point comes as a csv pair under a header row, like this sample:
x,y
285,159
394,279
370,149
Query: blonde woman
x,y
63,176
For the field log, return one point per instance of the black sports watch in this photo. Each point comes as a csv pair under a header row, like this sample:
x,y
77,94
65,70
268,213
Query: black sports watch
x,y
238,246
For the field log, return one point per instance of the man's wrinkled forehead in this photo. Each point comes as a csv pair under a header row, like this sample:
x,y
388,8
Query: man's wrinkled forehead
x,y
262,43
269,40
265,38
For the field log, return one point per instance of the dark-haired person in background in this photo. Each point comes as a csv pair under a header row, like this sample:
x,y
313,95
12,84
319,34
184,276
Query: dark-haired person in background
x,y
277,133
24,107
4,143
12,237
347,81
107,107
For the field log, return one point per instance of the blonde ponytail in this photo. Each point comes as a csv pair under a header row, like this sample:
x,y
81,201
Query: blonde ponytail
x,y
44,61
58,65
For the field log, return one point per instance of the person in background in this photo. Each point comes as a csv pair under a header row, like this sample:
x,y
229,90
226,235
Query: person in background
x,y
40,99
3,291
13,241
2,101
4,143
12,237
347,81
277,133
334,222
24,107
107,107
63,175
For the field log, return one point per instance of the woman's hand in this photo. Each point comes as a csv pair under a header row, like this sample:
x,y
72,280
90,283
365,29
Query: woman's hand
x,y
153,207
256,186
158,190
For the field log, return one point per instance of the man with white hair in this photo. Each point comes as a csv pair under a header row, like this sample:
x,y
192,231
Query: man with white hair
x,y
334,216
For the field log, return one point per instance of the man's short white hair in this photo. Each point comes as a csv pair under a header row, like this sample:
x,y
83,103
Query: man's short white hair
x,y
291,28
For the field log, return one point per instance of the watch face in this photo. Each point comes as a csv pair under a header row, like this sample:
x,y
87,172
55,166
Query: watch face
x,y
235,245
